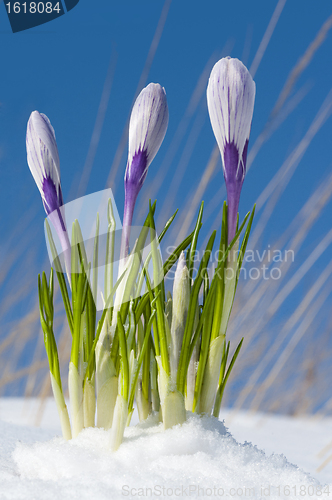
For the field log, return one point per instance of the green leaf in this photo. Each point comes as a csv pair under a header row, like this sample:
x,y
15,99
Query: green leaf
x,y
222,384
101,323
124,359
172,259
61,278
147,260
219,276
245,241
134,270
140,360
193,244
109,251
45,296
46,300
159,299
184,355
204,351
153,300
90,330
167,226
95,260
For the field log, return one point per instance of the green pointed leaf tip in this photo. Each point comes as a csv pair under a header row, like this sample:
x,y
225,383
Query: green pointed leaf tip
x,y
224,378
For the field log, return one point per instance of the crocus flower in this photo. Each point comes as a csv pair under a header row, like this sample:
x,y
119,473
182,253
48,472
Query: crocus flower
x,y
230,98
44,164
147,129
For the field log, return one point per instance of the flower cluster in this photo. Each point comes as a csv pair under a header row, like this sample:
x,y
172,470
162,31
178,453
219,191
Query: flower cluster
x,y
167,351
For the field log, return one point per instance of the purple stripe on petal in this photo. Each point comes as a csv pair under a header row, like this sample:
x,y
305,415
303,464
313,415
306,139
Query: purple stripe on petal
x,y
234,172
231,161
244,156
136,171
134,179
52,200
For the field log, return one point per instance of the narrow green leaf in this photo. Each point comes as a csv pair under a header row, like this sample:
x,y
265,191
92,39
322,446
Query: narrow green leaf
x,y
95,260
153,299
101,323
204,352
109,261
173,258
193,245
184,361
124,359
140,360
222,385
167,226
219,275
45,294
61,278
245,240
46,302
160,299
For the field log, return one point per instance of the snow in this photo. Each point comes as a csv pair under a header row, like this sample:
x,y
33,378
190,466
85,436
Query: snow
x,y
201,458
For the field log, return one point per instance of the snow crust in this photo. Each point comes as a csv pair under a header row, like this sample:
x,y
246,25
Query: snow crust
x,y
199,458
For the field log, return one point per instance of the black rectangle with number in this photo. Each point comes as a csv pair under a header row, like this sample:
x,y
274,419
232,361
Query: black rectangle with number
x,y
28,14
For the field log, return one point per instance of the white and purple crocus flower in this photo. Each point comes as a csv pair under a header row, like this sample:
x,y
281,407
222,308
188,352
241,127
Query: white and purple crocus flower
x,y
44,164
230,98
147,129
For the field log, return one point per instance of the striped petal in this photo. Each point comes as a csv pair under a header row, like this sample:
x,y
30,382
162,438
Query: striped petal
x,y
147,129
43,160
230,98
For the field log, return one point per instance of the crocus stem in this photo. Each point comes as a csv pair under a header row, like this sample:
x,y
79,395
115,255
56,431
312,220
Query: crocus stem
x,y
233,200
130,200
89,403
62,408
76,399
119,422
65,243
60,227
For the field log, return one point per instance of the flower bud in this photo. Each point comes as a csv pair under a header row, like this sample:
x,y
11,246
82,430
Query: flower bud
x,y
43,160
147,129
230,98
44,164
181,298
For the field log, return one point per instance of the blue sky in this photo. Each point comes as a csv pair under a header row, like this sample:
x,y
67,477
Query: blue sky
x,y
60,69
